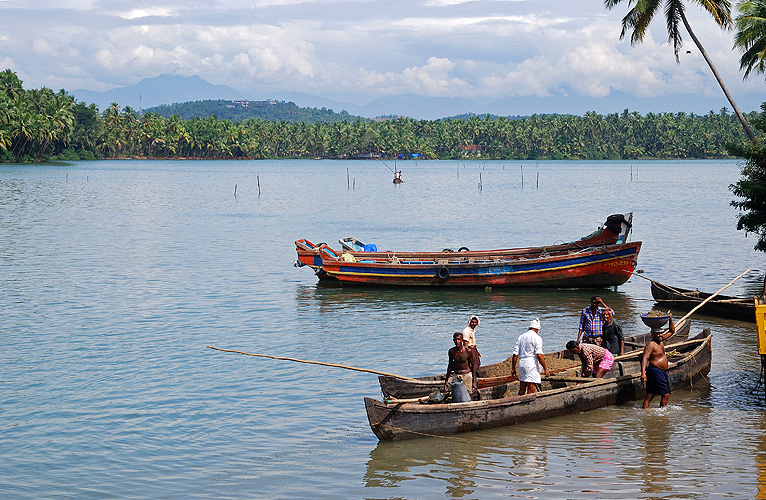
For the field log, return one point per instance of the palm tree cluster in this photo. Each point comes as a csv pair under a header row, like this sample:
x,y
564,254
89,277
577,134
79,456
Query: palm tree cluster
x,y
33,123
592,136
40,124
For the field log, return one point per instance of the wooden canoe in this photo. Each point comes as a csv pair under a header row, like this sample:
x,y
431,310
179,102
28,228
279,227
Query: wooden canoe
x,y
500,405
615,230
722,306
499,373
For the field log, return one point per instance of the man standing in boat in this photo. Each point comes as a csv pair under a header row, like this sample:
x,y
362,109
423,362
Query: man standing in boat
x,y
591,322
469,337
654,366
612,339
460,365
528,351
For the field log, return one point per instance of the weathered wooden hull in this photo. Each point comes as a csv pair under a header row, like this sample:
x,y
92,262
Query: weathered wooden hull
x,y
614,231
594,267
404,420
489,375
722,306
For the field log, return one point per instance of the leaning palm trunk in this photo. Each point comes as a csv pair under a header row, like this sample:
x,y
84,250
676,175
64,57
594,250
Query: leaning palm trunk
x,y
739,114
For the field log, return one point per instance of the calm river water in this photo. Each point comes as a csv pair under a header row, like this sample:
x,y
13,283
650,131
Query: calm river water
x,y
116,276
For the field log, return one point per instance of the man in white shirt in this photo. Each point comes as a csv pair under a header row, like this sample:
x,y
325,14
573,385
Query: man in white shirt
x,y
469,337
528,351
469,332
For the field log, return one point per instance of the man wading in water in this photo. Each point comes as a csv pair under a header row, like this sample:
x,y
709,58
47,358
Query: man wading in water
x,y
654,366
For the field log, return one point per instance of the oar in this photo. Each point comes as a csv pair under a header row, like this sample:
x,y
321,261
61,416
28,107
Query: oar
x,y
707,299
313,363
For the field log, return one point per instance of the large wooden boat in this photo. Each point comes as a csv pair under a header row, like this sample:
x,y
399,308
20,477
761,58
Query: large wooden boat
x,y
614,231
500,373
592,267
722,306
500,405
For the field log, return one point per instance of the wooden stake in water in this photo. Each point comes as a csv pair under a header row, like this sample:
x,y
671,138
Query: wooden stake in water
x,y
258,178
480,182
348,178
522,176
235,190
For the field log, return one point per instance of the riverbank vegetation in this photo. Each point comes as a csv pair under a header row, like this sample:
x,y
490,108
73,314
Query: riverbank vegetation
x,y
39,124
750,190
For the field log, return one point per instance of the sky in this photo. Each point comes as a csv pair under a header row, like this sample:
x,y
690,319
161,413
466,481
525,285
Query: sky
x,y
532,55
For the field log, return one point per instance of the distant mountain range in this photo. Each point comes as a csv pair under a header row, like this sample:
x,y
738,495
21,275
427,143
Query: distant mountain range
x,y
164,89
169,89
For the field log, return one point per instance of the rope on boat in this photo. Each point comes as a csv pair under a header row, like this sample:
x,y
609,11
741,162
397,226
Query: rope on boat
x,y
313,363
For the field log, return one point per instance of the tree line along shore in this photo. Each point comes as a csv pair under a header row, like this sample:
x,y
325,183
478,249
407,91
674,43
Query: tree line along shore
x,y
40,124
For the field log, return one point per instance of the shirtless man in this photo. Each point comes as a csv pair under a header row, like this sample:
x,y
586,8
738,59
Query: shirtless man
x,y
460,364
654,366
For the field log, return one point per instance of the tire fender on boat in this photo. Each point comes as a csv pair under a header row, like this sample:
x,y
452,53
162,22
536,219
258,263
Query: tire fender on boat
x,y
442,273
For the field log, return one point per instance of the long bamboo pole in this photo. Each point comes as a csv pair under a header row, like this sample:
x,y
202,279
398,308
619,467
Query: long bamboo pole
x,y
313,363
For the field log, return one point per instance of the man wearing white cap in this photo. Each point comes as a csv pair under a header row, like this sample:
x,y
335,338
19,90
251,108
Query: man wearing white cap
x,y
528,351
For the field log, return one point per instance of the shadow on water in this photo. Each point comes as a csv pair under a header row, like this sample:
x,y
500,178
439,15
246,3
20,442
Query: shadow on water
x,y
552,302
455,466
619,451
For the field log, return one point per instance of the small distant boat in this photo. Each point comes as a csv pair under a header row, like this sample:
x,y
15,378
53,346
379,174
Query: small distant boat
x,y
499,373
722,306
561,395
600,259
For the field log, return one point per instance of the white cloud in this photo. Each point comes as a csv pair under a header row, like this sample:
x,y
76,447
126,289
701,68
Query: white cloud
x,y
557,49
42,47
148,12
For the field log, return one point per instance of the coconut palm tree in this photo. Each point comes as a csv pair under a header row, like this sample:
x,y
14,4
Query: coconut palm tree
x,y
640,15
751,35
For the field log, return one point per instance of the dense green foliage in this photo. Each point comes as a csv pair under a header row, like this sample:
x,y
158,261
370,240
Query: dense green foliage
x,y
751,188
246,110
751,36
40,124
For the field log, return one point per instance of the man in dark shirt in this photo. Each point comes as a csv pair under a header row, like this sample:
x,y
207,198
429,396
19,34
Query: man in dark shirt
x,y
612,337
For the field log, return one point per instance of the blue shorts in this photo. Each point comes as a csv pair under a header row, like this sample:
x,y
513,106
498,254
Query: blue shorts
x,y
657,381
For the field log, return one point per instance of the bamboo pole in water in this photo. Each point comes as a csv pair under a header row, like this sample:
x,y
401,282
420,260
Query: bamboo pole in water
x,y
334,365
